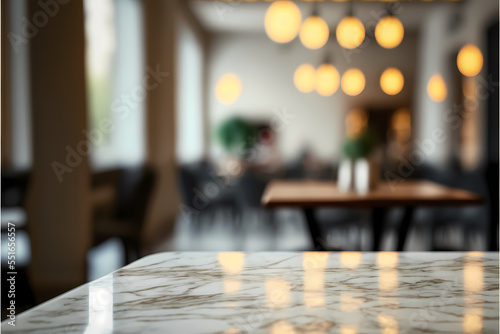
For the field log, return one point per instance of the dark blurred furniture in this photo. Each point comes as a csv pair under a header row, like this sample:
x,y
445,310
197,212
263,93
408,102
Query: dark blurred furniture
x,y
465,220
124,217
14,189
201,189
492,150
316,194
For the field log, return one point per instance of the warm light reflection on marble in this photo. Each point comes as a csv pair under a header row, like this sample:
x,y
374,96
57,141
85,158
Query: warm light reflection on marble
x,y
232,331
314,299
231,262
100,320
473,321
348,329
473,278
349,303
475,254
350,259
232,285
315,260
387,259
282,327
314,264
388,280
277,292
388,324
473,286
387,275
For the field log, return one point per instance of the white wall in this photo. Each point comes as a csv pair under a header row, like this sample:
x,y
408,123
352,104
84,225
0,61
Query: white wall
x,y
266,71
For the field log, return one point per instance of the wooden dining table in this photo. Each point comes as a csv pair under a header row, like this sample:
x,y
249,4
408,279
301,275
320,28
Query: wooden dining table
x,y
309,195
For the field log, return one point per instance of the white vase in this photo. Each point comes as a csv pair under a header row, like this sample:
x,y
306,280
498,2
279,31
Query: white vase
x,y
345,178
366,175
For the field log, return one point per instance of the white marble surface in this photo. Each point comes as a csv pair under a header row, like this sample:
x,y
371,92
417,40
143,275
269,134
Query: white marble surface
x,y
281,293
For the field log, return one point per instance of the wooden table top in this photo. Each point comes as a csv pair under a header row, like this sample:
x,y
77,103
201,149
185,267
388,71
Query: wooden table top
x,y
308,194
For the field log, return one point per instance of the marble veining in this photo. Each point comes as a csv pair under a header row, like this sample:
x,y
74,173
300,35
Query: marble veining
x,y
281,293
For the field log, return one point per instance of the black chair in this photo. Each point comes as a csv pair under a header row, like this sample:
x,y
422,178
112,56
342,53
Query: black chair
x,y
193,180
127,213
467,221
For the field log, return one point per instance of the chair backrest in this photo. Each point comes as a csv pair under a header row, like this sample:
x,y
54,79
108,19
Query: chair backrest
x,y
188,180
250,189
135,190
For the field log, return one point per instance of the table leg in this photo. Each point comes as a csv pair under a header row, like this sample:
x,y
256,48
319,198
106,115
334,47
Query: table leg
x,y
404,227
378,215
314,229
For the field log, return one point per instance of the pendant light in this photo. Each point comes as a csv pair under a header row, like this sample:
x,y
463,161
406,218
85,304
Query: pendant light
x,y
314,32
327,78
304,78
353,82
392,81
470,60
389,31
436,88
350,31
282,21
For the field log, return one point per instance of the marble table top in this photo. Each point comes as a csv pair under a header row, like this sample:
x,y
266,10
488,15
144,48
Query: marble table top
x,y
281,293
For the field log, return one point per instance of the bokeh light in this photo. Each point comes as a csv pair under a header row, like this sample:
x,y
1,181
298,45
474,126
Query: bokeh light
x,y
470,60
304,78
353,82
327,80
389,32
350,32
356,122
314,32
282,21
228,88
392,81
436,88
401,125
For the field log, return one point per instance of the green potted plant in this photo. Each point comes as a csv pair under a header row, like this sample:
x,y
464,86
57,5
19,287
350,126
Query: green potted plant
x,y
359,168
237,136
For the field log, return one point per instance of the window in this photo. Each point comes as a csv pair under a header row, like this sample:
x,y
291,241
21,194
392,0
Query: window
x,y
190,134
114,67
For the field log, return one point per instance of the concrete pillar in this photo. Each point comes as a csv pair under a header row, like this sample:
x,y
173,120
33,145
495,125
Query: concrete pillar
x,y
160,43
59,207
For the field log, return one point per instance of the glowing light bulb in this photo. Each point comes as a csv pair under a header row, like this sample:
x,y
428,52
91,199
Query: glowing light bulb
x,y
436,88
392,81
353,82
470,60
327,80
350,32
282,21
389,32
228,88
304,78
314,32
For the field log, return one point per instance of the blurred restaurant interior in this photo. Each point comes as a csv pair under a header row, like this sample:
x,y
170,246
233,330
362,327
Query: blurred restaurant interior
x,y
131,127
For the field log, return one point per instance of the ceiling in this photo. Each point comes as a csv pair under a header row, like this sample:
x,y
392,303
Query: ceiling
x,y
248,17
